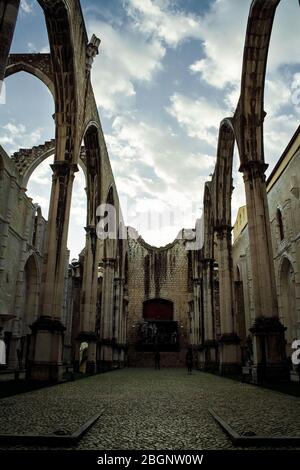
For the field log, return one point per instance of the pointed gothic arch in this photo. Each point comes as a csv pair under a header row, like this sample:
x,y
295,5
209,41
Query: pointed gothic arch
x,y
287,299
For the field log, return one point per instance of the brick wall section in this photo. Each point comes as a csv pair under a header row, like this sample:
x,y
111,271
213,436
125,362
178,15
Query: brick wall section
x,y
157,273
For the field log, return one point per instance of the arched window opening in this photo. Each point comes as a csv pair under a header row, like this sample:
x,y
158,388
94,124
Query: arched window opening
x,y
77,223
39,185
31,30
280,224
238,194
288,302
26,119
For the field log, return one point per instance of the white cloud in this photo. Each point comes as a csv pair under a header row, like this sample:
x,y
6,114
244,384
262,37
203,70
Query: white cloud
x,y
15,135
160,19
200,118
125,59
32,48
155,168
26,6
295,92
277,134
15,129
284,44
223,30
277,94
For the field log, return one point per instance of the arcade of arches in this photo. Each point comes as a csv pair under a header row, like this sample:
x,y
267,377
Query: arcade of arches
x,y
236,303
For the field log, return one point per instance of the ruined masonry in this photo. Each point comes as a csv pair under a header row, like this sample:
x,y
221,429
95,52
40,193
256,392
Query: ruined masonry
x,y
235,301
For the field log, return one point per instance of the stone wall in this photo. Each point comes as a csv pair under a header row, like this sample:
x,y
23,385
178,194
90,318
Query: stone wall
x,y
157,273
284,210
22,230
22,250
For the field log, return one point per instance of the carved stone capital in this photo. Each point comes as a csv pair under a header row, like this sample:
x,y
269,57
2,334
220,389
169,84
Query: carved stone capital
x,y
254,169
63,169
265,325
119,280
223,231
91,230
108,262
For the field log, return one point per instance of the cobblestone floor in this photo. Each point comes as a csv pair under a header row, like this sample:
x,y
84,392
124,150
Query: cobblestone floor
x,y
148,409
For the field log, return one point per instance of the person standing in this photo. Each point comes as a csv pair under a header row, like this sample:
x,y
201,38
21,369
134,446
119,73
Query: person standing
x,y
189,360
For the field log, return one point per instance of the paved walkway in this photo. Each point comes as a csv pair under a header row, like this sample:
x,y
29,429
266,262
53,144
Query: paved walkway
x,y
148,409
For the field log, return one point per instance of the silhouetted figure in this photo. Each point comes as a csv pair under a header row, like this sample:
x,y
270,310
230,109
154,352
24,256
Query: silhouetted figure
x,y
189,360
157,360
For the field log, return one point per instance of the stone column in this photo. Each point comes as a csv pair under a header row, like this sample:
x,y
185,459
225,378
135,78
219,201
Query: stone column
x,y
106,331
48,330
196,312
88,305
5,223
18,324
268,332
197,295
8,18
208,356
125,330
230,360
118,312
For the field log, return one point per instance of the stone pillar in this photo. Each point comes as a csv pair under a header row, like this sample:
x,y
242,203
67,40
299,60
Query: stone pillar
x,y
88,304
118,312
267,331
8,18
230,360
18,324
48,329
106,331
198,309
4,226
208,355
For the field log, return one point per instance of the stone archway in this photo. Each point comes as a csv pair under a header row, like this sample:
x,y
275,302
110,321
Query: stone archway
x,y
246,128
288,301
89,293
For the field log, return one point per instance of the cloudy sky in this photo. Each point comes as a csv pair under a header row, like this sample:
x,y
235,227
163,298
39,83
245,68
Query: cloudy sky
x,y
167,73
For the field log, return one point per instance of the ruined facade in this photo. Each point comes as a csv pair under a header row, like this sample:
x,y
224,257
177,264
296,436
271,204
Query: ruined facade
x,y
66,72
283,202
124,299
159,291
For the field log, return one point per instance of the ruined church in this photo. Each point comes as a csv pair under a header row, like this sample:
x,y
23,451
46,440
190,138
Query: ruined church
x,y
234,300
